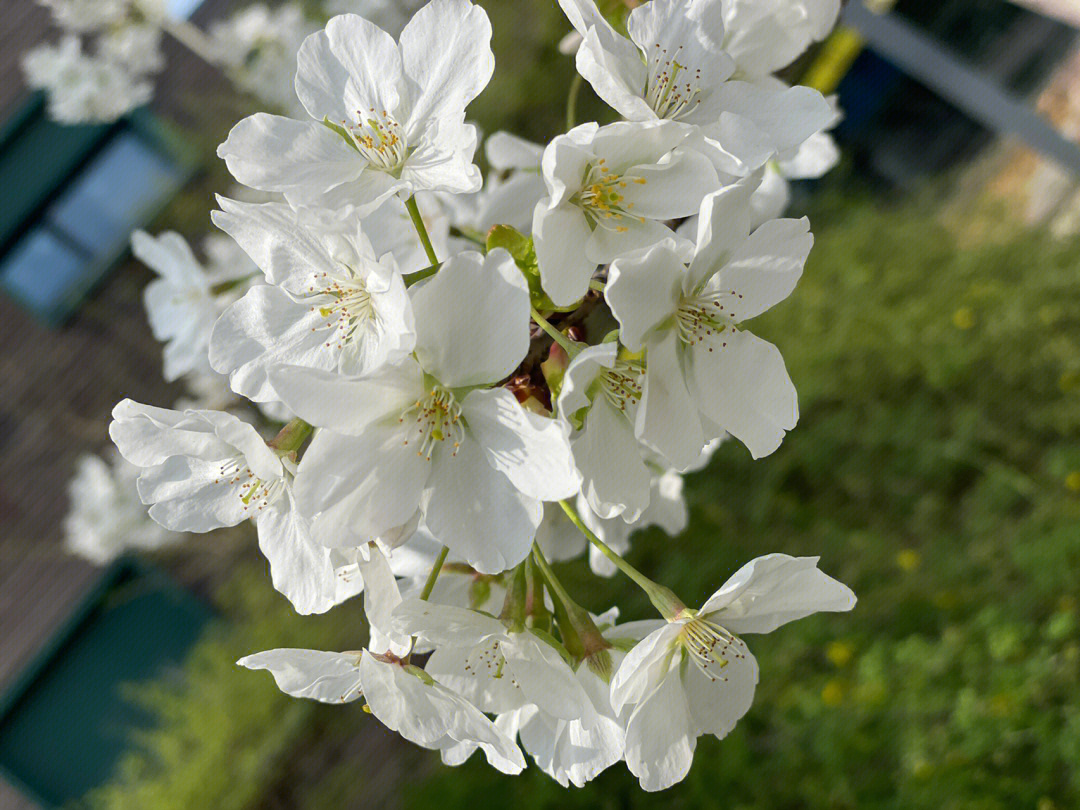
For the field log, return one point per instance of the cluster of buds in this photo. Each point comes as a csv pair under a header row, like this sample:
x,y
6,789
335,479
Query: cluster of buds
x,y
484,378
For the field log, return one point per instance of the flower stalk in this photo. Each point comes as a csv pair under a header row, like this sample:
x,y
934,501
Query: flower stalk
x,y
421,231
669,605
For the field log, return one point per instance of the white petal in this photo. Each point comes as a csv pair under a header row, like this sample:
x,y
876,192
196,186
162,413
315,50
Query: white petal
x,y
607,244
773,590
264,329
290,253
506,151
561,235
644,667
786,116
765,269
531,450
443,160
426,714
357,488
643,291
446,50
304,158
328,677
667,417
661,736
476,675
614,68
546,679
321,80
583,370
299,569
740,382
717,705
445,625
723,226
478,513
146,435
673,188
381,598
348,404
372,60
616,480
472,319
191,495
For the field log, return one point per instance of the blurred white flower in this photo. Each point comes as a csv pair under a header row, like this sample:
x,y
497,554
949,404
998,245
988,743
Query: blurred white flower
x,y
87,15
135,47
106,518
81,87
180,303
258,46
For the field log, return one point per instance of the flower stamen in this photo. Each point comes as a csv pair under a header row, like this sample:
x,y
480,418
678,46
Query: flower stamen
x,y
379,138
438,419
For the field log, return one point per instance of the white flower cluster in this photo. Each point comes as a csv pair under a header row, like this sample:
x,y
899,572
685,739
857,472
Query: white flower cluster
x,y
525,376
256,48
114,78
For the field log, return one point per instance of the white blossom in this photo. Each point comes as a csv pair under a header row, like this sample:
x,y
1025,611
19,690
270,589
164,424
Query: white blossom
x,y
258,45
704,374
329,303
693,675
429,434
204,470
676,66
610,190
106,518
388,117
82,87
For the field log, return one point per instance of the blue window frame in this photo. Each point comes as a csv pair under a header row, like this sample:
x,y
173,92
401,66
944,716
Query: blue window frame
x,y
79,192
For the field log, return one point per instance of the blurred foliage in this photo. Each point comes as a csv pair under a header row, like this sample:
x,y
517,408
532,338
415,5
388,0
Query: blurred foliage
x,y
225,734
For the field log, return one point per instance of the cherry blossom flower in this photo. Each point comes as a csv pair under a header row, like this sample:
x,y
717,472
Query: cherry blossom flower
x,y
693,675
180,303
430,434
106,517
676,66
329,303
205,470
388,117
610,190
704,374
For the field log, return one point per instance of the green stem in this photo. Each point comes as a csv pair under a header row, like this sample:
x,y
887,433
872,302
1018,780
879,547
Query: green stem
x,y
597,285
554,333
571,638
420,275
669,605
421,229
434,575
571,100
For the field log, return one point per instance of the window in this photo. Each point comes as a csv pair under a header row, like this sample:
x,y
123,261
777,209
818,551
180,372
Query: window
x,y
79,192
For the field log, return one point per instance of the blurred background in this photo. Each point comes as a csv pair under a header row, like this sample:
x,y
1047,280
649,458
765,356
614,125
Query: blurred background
x,y
935,344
